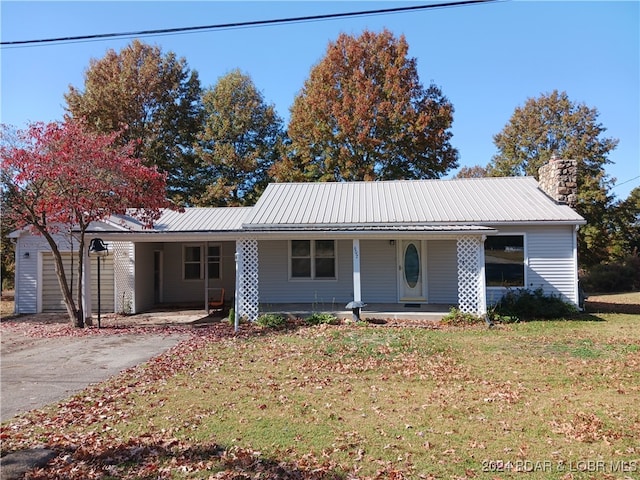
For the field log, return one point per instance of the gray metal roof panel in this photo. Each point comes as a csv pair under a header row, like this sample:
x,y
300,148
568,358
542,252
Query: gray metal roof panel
x,y
403,202
194,219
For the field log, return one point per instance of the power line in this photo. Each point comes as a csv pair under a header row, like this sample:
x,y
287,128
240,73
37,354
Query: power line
x,y
254,23
626,181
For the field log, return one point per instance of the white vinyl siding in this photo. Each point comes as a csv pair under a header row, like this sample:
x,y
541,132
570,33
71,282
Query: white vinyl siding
x,y
26,277
378,278
551,262
275,287
442,275
52,300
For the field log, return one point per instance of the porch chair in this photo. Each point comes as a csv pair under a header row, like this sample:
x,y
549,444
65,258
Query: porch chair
x,y
216,300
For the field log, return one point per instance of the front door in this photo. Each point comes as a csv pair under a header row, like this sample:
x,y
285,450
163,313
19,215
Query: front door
x,y
411,271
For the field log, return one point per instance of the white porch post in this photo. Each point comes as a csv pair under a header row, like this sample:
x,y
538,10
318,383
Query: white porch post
x,y
482,281
357,295
247,298
471,282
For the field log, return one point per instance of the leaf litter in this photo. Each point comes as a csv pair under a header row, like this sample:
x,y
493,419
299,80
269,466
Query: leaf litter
x,y
81,429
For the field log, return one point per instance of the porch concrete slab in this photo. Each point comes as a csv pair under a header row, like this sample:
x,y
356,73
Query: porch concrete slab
x,y
376,311
159,318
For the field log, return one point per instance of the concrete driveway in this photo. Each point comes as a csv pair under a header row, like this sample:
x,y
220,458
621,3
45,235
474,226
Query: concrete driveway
x,y
35,372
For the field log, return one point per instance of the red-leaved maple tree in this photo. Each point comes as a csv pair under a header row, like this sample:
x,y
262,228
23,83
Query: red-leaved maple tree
x,y
59,177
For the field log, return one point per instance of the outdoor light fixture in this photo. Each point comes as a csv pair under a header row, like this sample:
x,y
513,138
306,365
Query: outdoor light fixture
x,y
98,248
26,255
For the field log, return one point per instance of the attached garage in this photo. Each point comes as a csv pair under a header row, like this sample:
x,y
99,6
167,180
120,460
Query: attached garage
x,y
52,296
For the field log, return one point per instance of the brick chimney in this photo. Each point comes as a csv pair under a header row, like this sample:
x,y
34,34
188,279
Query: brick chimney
x,y
558,178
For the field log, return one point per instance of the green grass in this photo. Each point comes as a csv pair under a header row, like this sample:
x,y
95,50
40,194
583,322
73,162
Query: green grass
x,y
374,402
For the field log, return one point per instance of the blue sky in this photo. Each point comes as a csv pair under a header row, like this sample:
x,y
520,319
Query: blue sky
x,y
488,59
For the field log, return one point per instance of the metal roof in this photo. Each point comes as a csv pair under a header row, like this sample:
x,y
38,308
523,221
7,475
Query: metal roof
x,y
195,219
434,206
477,201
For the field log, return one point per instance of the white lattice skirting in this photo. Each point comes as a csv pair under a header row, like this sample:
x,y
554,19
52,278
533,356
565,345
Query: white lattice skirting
x,y
123,276
248,298
471,285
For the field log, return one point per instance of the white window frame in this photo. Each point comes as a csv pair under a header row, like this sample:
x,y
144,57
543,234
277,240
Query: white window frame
x,y
185,246
312,259
525,261
219,257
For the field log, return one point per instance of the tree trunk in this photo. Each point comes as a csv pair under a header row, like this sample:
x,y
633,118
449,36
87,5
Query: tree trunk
x,y
74,315
80,307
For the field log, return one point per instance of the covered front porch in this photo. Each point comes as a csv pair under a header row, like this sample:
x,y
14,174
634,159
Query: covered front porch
x,y
419,274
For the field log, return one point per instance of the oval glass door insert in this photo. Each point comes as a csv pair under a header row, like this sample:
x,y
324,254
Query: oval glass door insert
x,y
411,265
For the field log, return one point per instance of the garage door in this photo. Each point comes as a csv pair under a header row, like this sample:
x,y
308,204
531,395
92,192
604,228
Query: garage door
x,y
52,296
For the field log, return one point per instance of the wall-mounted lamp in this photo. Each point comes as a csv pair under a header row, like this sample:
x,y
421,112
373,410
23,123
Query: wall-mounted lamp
x,y
26,255
392,242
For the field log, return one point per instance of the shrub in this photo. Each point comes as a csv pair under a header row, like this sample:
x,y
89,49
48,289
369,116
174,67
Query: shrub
x,y
623,276
460,319
320,318
271,320
524,304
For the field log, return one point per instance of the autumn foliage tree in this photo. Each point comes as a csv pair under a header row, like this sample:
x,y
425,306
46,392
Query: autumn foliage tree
x,y
241,138
364,115
152,98
475,171
59,177
553,124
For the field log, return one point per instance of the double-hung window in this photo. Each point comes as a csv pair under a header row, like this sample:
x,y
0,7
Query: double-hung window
x,y
504,261
214,261
312,259
192,264
193,261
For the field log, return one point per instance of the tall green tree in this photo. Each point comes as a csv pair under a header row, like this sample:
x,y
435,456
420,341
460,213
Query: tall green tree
x,y
553,124
241,138
155,97
627,225
364,115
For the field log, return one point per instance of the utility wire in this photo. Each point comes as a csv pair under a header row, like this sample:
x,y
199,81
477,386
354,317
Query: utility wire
x,y
626,181
44,41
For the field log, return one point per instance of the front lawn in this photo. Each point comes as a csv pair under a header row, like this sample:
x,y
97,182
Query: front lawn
x,y
554,399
